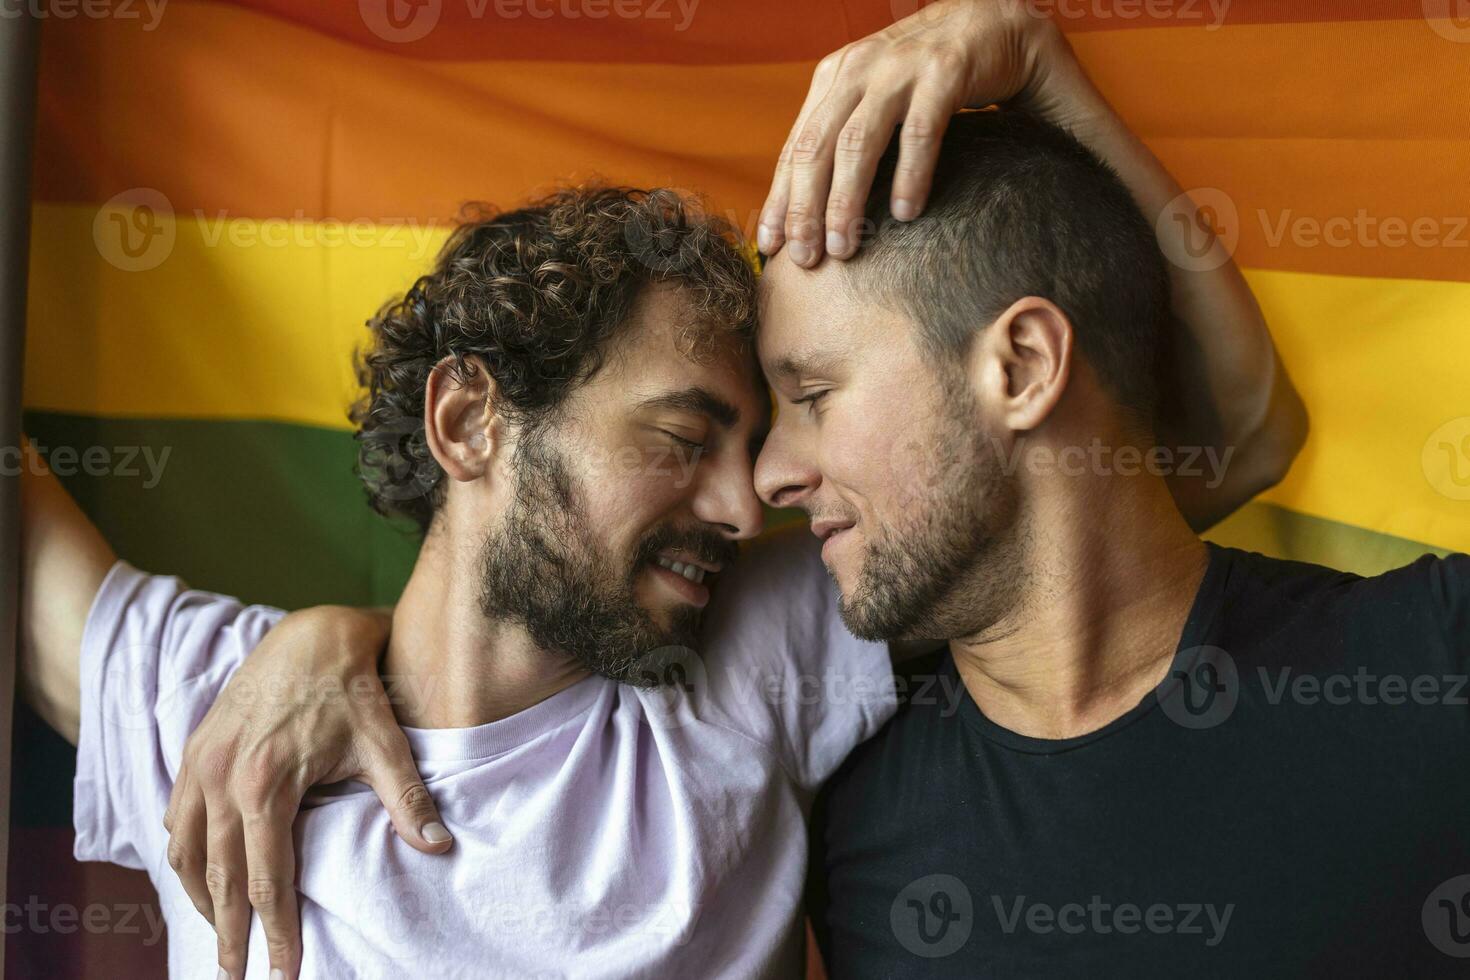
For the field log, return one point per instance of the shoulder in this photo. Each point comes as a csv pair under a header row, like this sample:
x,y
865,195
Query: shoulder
x,y
1419,611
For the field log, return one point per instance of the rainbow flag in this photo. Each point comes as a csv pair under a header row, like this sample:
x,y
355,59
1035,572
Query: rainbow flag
x,y
226,191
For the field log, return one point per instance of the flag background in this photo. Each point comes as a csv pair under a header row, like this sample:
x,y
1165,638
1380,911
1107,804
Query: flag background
x,y
301,162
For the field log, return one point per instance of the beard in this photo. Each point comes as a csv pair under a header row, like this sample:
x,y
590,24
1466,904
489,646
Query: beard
x,y
954,564
544,569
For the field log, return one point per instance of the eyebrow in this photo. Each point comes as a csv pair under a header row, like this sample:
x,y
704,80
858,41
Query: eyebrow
x,y
698,400
806,360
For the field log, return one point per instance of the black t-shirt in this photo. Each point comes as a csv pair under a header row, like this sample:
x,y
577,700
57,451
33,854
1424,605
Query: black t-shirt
x,y
1292,801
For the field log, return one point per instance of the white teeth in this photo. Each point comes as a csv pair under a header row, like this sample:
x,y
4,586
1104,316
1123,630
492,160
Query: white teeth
x,y
692,572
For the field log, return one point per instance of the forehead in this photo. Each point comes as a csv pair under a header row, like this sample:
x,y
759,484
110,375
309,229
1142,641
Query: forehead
x,y
653,353
813,319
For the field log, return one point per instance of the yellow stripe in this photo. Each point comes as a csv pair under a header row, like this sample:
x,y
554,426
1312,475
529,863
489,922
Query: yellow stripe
x,y
1383,365
210,319
251,319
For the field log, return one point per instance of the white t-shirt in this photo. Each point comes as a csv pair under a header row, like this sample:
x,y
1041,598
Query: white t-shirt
x,y
608,831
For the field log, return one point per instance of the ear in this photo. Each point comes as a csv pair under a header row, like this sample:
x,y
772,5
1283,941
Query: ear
x,y
459,418
1022,362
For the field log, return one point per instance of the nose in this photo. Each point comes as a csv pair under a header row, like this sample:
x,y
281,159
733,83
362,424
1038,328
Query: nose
x,y
785,475
726,498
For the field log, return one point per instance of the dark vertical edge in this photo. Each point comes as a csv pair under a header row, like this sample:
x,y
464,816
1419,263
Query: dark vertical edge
x,y
19,37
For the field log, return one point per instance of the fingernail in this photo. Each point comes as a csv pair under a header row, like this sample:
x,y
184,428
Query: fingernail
x,y
836,243
435,833
765,238
223,974
278,974
903,209
801,252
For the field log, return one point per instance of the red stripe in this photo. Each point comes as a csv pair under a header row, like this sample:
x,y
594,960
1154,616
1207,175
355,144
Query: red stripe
x,y
733,31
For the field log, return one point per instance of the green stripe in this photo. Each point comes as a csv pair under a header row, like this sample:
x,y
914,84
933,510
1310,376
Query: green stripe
x,y
267,511
272,512
1282,533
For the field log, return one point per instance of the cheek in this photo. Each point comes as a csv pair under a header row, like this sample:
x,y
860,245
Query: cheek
x,y
868,450
630,487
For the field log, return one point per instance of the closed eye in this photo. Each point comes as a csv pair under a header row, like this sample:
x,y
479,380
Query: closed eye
x,y
686,443
811,400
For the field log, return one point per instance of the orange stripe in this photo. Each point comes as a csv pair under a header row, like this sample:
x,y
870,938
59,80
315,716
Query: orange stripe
x,y
326,129
747,32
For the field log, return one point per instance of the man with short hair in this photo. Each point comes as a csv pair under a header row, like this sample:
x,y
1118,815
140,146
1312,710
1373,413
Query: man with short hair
x,y
600,827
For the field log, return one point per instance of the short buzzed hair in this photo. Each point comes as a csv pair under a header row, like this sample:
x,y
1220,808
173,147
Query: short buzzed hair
x,y
1020,208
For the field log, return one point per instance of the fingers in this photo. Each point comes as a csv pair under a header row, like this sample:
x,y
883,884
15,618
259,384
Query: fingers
x,y
859,146
928,116
225,874
270,856
392,775
811,175
185,822
771,233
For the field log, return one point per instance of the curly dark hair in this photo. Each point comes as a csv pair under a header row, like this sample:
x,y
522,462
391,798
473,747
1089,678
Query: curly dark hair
x,y
537,293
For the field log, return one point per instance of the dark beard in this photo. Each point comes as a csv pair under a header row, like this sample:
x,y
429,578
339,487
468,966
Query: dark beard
x,y
954,567
544,570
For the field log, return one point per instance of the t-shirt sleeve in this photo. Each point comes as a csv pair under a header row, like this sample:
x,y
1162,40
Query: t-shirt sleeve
x,y
154,657
783,667
1449,590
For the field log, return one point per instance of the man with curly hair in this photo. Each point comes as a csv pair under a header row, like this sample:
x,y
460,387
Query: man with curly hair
x,y
570,409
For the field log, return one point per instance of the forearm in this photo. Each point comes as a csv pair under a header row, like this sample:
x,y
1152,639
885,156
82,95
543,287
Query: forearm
x,y
63,562
1233,394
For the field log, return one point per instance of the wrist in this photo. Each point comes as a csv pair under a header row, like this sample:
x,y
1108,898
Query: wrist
x,y
1057,87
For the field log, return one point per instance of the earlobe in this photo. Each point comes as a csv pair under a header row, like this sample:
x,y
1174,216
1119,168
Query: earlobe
x,y
459,418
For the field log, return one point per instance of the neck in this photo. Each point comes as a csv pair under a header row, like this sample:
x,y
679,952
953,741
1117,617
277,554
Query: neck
x,y
450,665
1112,571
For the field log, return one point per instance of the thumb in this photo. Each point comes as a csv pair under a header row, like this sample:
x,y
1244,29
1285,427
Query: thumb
x,y
393,777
